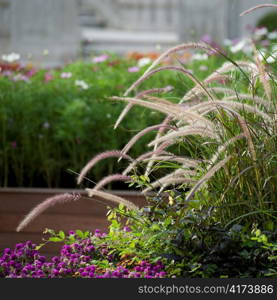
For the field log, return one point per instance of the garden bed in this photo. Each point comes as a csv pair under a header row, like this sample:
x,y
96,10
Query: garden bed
x,y
85,214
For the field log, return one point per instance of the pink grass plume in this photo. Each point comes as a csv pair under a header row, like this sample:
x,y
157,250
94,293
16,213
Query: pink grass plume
x,y
40,208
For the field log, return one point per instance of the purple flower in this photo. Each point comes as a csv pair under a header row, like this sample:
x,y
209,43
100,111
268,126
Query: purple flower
x,y
55,259
55,272
133,69
127,229
7,251
19,246
162,274
7,73
66,75
48,77
31,73
265,43
206,38
100,58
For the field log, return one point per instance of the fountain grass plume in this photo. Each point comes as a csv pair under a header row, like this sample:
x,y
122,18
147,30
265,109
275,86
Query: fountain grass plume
x,y
195,92
242,97
166,121
224,147
159,100
189,162
97,158
40,208
226,67
170,181
250,10
203,108
140,134
172,50
114,177
179,173
140,95
262,73
112,198
184,131
138,160
209,174
173,110
234,95
173,68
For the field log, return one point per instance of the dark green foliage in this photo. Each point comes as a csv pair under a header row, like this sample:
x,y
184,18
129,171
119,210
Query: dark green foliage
x,y
269,21
48,127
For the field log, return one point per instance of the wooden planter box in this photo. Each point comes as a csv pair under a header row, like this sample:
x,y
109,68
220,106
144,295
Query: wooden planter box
x,y
84,214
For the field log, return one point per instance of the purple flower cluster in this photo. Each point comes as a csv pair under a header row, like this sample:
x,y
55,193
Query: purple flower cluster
x,y
79,259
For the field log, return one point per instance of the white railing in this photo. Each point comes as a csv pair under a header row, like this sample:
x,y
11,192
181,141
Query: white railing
x,y
149,15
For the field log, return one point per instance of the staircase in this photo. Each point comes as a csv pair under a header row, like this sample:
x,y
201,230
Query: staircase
x,y
128,25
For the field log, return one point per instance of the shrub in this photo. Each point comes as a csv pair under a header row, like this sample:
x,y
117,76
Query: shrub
x,y
79,257
49,125
268,21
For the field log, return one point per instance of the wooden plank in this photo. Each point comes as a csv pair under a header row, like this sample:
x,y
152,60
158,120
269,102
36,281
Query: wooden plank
x,y
83,214
65,222
23,200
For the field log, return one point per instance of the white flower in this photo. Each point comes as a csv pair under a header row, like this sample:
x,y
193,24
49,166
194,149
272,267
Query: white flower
x,y
243,45
21,77
11,57
272,35
261,31
203,68
274,49
198,56
269,58
144,61
66,75
108,116
238,46
45,52
82,84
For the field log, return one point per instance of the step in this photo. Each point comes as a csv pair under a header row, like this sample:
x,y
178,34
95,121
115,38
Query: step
x,y
118,41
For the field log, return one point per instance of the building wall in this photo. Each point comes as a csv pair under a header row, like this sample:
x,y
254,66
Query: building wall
x,y
32,26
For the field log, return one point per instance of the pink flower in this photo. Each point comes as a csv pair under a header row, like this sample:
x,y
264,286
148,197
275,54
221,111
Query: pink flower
x,y
100,58
265,43
127,229
31,73
66,75
48,76
20,77
133,69
7,73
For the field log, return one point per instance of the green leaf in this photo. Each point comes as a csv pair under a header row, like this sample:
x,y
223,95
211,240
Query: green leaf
x,y
62,234
55,239
79,233
39,246
86,234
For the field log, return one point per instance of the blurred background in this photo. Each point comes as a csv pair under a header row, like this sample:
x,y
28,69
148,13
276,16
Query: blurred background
x,y
51,32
